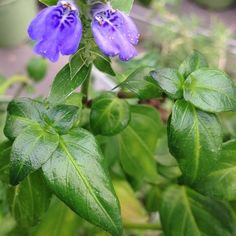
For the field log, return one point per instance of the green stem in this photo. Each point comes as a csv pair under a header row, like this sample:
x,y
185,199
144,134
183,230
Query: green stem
x,y
15,79
85,89
142,226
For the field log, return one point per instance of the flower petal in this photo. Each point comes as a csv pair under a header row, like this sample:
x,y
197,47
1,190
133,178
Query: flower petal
x,y
70,36
126,50
48,49
129,28
37,27
98,8
104,36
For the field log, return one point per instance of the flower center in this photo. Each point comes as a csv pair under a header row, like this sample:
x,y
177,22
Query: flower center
x,y
108,17
67,5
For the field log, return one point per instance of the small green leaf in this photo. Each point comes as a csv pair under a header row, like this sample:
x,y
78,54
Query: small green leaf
x,y
136,153
29,200
210,90
192,63
142,84
186,212
122,5
30,150
22,113
102,63
221,179
76,173
37,68
170,81
63,117
109,115
5,148
153,199
75,99
58,221
195,139
49,2
70,77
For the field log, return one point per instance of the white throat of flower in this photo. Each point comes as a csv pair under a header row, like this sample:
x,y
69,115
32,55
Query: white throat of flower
x,y
68,4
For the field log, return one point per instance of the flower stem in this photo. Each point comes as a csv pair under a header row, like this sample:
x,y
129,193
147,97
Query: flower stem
x,y
142,226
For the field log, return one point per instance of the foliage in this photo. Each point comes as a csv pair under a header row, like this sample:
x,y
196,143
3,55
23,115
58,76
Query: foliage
x,y
109,163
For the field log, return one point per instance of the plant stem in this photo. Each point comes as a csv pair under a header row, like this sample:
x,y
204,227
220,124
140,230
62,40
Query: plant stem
x,y
13,80
85,89
142,226
122,94
20,90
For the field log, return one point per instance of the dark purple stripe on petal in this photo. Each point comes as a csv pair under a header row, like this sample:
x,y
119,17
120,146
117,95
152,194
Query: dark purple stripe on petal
x,y
67,22
62,27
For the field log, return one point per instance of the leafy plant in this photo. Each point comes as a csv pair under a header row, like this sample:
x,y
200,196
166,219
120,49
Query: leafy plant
x,y
78,163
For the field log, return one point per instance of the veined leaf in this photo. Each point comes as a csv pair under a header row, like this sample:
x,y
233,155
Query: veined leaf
x,y
70,77
22,113
109,115
192,63
76,173
59,220
102,62
30,150
141,83
186,212
63,117
210,90
195,139
5,148
135,152
221,179
170,81
29,200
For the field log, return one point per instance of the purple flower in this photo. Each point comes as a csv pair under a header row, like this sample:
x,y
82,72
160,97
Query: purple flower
x,y
57,29
114,32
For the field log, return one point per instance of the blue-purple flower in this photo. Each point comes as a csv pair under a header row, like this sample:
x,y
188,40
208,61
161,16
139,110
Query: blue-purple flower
x,y
57,29
114,32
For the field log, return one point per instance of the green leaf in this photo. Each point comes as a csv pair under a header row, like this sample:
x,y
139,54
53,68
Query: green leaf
x,y
22,113
63,117
142,84
210,90
220,181
192,63
122,5
136,153
186,212
75,99
76,173
70,77
49,2
132,210
5,148
109,115
37,68
195,139
153,199
29,200
102,62
170,81
58,221
30,150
